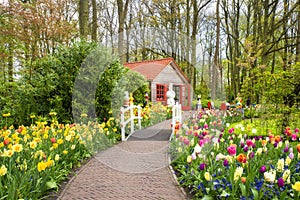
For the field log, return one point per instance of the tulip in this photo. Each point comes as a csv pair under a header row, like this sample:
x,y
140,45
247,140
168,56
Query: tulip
x,y
296,186
286,149
189,159
280,182
225,162
232,150
263,169
202,166
243,179
241,158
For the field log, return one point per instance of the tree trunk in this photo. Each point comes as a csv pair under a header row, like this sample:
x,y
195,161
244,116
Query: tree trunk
x,y
122,12
95,19
83,18
298,39
216,55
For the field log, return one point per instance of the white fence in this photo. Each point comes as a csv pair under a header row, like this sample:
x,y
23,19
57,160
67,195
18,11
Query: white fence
x,y
131,117
176,116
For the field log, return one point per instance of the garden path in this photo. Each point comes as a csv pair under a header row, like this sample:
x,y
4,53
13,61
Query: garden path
x,y
136,169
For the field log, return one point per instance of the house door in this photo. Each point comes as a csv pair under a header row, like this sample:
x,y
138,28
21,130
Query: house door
x,y
177,90
182,96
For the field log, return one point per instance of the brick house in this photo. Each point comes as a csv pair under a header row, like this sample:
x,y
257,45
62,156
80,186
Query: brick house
x,y
160,73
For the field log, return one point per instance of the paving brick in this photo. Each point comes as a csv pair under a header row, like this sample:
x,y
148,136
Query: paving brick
x,y
136,169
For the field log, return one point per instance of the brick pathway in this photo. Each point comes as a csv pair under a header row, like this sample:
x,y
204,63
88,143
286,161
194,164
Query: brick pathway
x,y
136,169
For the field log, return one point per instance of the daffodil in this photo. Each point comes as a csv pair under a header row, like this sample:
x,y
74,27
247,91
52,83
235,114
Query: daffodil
x,y
3,170
42,166
17,147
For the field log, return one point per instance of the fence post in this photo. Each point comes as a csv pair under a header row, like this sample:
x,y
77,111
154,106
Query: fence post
x,y
139,117
131,119
122,124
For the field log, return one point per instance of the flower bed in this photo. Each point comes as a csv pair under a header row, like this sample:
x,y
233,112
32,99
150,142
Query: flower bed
x,y
36,158
215,161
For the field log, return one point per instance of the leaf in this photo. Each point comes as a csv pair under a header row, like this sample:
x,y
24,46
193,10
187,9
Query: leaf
x,y
243,189
51,184
255,194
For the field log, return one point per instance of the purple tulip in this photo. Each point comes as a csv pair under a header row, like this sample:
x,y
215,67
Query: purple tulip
x,y
225,162
263,169
286,149
202,166
242,144
280,182
251,155
245,148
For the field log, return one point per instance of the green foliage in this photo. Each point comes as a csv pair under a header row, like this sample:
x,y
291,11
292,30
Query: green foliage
x,y
202,89
83,78
279,93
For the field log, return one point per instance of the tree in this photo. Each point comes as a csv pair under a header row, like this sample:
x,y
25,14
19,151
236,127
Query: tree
x,y
84,18
122,13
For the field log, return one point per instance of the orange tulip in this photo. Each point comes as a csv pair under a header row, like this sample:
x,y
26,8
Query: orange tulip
x,y
242,158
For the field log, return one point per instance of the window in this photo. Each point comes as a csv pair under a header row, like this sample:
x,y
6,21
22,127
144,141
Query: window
x,y
160,92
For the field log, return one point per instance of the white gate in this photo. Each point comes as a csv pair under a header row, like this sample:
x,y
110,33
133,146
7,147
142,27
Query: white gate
x,y
176,117
131,118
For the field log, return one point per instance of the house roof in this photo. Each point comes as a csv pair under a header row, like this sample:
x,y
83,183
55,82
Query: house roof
x,y
150,69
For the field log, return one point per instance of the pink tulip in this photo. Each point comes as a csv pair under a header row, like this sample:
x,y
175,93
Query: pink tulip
x,y
231,150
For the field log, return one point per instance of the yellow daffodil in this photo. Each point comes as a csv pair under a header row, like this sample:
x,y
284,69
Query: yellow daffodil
x,y
17,147
3,170
33,144
60,141
41,166
6,114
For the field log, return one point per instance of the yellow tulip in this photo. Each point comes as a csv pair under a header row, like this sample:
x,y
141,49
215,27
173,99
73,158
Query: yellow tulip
x,y
296,186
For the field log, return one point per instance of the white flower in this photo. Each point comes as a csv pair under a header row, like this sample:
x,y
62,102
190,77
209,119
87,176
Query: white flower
x,y
279,144
227,124
238,173
220,156
259,151
242,128
254,130
197,149
280,165
265,149
288,161
286,175
270,176
194,156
